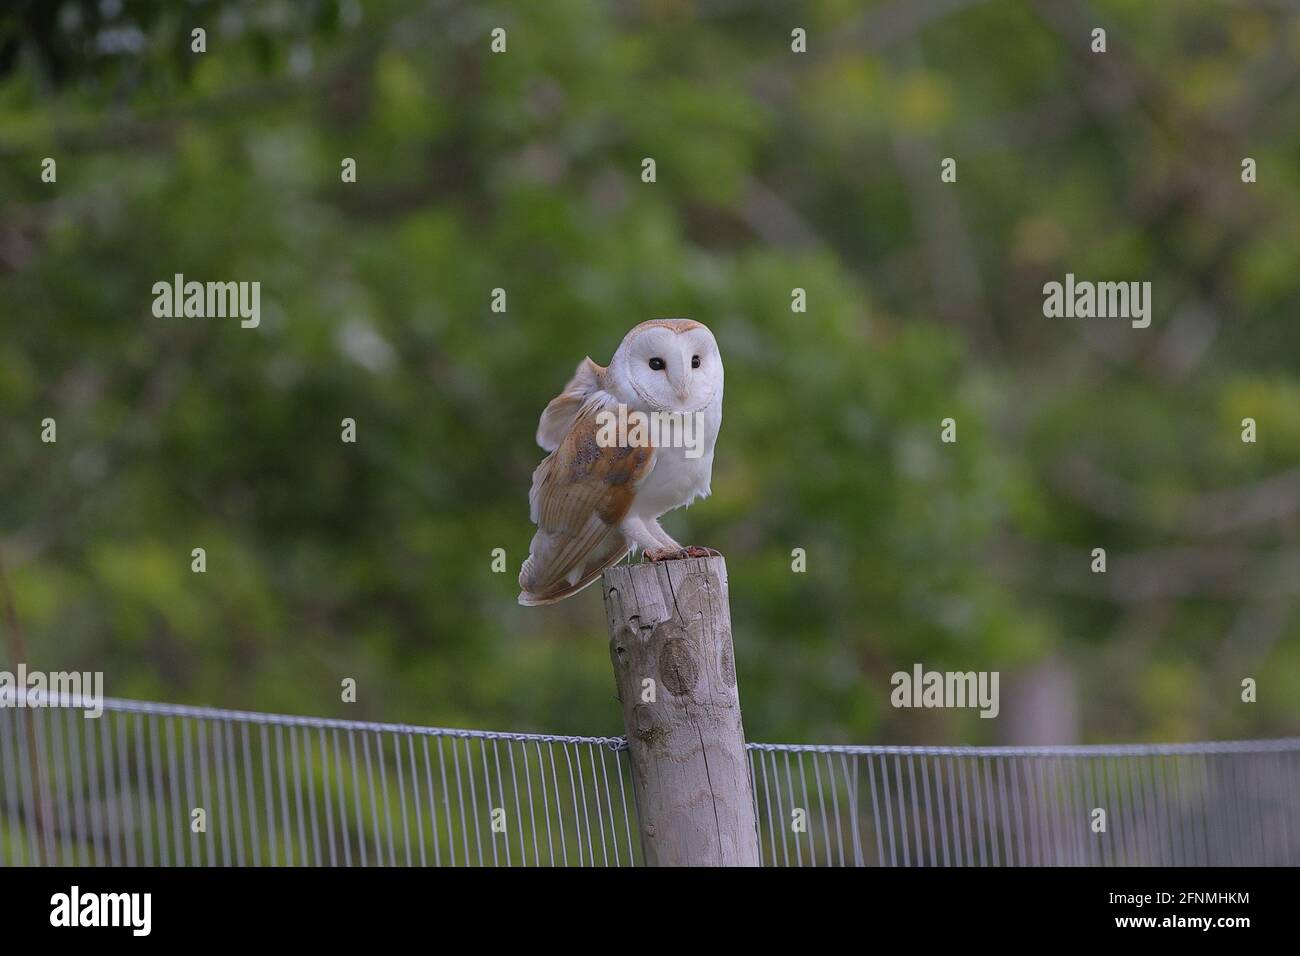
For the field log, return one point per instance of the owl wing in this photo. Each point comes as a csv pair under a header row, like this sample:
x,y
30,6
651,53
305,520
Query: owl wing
x,y
562,412
580,494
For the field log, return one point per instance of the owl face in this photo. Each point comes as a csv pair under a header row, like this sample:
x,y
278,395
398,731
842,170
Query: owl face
x,y
672,365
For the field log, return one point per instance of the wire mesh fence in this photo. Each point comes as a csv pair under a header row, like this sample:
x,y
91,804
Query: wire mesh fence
x,y
159,784
1210,804
154,784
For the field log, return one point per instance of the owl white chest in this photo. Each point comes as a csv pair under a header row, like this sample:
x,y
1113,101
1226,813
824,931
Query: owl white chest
x,y
677,479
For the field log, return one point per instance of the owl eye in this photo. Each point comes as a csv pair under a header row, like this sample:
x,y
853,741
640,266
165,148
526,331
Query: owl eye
x,y
695,361
657,364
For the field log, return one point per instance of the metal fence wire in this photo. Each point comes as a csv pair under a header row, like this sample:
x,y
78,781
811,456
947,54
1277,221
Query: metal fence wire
x,y
1205,804
161,784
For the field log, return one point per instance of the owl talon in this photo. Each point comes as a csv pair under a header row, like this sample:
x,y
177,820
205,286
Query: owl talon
x,y
696,551
664,554
679,554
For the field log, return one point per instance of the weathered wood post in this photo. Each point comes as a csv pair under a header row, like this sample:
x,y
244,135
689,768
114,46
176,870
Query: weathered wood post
x,y
670,641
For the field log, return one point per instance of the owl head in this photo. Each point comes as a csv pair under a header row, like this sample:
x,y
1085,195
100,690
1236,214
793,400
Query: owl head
x,y
670,365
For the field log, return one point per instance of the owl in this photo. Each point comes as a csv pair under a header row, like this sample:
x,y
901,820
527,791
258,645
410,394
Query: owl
x,y
594,499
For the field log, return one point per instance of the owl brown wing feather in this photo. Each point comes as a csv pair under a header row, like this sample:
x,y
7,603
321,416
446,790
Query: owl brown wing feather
x,y
558,417
580,493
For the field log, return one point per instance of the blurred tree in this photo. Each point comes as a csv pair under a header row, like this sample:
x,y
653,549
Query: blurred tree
x,y
776,171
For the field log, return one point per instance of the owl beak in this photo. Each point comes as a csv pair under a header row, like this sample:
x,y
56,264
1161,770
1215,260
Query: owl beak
x,y
681,389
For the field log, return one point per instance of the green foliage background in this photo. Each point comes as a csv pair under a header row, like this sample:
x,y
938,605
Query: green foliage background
x,y
775,170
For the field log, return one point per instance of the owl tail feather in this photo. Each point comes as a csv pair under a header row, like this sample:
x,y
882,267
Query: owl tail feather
x,y
559,590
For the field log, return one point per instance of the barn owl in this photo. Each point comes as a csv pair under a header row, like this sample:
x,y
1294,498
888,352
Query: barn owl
x,y
593,500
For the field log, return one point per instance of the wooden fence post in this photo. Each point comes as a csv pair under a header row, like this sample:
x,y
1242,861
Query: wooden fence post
x,y
670,641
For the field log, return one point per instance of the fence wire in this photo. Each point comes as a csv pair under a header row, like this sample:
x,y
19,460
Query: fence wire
x,y
163,785
1213,804
168,785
